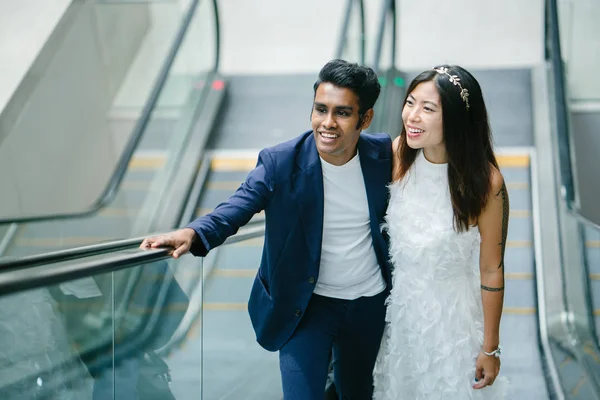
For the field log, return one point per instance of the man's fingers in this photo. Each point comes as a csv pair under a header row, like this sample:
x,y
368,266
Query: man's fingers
x,y
155,242
181,250
179,241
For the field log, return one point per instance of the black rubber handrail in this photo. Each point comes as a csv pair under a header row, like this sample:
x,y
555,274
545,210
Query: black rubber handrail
x,y
32,277
388,8
553,55
343,42
83,251
116,178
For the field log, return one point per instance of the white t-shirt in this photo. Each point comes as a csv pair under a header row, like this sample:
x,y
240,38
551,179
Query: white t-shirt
x,y
349,267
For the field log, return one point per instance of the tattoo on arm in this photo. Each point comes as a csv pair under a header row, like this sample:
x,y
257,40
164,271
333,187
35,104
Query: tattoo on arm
x,y
505,210
492,289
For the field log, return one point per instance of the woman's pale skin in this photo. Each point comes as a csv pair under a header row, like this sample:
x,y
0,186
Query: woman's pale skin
x,y
422,116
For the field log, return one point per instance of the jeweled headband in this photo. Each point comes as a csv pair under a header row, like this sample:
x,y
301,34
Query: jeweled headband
x,y
464,93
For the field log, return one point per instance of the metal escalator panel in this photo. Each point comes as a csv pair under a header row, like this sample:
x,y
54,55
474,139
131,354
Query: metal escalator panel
x,y
91,337
570,31
579,31
163,115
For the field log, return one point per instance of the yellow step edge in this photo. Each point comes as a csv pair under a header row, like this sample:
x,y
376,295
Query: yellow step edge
x,y
154,162
235,273
232,164
519,310
520,214
513,161
244,306
595,277
518,275
592,243
247,164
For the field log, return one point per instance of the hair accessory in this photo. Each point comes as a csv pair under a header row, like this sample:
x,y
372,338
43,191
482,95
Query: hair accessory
x,y
464,93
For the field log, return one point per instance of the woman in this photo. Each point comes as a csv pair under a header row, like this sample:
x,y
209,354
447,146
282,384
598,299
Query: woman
x,y
447,220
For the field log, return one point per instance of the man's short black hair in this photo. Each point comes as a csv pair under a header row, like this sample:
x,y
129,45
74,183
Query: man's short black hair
x,y
361,80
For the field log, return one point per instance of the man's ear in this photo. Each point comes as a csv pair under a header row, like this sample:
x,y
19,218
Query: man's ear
x,y
367,118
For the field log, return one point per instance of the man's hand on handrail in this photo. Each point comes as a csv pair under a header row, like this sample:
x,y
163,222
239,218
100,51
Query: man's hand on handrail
x,y
180,241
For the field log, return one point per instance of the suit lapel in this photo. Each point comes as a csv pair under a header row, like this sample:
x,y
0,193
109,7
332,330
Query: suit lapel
x,y
375,177
307,185
308,188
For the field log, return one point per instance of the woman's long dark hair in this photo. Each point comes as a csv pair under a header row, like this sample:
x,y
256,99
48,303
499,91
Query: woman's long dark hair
x,y
468,141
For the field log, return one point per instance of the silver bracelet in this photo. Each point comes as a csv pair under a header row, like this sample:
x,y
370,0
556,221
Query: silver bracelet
x,y
496,353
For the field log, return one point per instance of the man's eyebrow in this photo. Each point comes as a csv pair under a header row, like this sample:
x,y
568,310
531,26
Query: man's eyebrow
x,y
346,108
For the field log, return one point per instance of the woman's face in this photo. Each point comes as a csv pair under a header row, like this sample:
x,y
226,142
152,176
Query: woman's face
x,y
422,118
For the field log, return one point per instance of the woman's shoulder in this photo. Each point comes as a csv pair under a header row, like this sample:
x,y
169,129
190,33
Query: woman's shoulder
x,y
496,180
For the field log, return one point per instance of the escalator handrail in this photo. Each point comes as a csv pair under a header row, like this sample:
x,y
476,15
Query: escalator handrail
x,y
32,277
53,257
342,43
116,178
553,55
388,8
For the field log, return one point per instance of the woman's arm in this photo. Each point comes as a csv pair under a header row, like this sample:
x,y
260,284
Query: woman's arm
x,y
493,227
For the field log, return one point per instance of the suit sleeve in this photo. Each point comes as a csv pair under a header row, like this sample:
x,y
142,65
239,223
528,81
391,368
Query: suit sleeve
x,y
251,197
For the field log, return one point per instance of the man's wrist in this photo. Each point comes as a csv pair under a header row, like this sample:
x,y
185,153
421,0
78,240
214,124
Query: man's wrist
x,y
192,234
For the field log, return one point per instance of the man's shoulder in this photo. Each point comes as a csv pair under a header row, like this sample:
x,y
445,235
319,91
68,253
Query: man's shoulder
x,y
381,140
289,148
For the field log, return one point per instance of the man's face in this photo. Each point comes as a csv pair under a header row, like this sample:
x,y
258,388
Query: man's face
x,y
334,120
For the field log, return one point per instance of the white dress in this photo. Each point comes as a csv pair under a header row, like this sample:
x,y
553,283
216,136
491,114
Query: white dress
x,y
434,318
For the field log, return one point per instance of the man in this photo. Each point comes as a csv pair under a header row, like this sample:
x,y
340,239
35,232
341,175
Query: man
x,y
323,278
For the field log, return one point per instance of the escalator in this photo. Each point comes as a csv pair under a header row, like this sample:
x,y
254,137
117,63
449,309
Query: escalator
x,y
98,312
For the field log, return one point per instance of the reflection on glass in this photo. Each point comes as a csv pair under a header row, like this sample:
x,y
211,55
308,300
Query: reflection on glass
x,y
235,366
156,157
116,332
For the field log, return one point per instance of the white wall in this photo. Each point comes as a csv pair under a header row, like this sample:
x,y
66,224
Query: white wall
x,y
580,42
471,33
24,27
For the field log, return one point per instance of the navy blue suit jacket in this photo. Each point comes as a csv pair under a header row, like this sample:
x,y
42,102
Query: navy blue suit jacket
x,y
288,184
